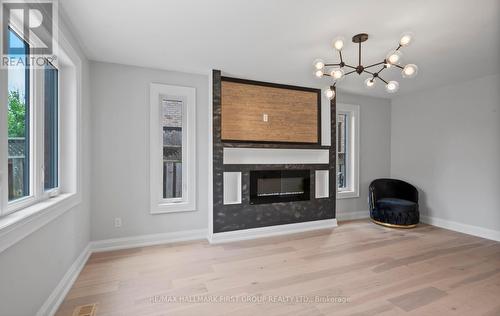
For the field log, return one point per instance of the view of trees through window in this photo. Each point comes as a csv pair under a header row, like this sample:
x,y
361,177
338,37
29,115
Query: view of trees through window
x,y
18,123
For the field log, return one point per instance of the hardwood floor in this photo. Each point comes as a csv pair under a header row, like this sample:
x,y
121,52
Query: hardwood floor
x,y
358,268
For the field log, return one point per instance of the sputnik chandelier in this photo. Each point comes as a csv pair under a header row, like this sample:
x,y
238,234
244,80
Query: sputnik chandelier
x,y
393,58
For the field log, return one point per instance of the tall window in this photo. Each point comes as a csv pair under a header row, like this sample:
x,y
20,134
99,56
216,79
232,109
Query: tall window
x,y
347,151
173,149
18,120
32,153
342,151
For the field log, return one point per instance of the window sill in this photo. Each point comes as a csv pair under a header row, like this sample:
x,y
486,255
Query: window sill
x,y
166,208
16,226
347,195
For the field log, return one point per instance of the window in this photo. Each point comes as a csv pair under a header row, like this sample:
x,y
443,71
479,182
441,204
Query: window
x,y
172,147
342,121
32,153
40,134
347,151
172,141
51,128
18,121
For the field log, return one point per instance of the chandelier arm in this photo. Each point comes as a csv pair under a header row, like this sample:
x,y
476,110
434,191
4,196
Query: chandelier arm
x,y
400,67
380,63
382,79
331,65
340,54
380,70
399,46
350,72
349,66
369,72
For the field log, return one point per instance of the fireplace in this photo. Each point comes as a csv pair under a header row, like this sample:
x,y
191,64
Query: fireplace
x,y
275,186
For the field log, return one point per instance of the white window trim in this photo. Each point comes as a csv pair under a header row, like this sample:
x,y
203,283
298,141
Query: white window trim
x,y
158,204
352,191
14,226
37,129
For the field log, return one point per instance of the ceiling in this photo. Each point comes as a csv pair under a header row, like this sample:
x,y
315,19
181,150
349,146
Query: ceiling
x,y
277,40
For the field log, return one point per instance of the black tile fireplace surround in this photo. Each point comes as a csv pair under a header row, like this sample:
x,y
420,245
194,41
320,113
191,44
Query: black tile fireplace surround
x,y
232,217
276,186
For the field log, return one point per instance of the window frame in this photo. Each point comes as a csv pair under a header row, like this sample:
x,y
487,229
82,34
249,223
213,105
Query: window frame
x,y
41,202
36,99
353,143
73,92
158,204
24,201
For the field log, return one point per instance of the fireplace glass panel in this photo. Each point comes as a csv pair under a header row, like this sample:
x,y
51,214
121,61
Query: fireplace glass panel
x,y
274,186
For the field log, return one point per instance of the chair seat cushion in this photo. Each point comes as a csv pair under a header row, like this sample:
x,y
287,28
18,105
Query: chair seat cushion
x,y
396,211
396,204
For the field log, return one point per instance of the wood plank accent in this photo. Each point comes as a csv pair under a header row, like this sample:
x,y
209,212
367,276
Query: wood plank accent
x,y
421,271
293,113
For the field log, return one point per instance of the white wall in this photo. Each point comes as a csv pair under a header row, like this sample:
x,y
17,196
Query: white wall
x,y
446,142
120,151
32,268
375,150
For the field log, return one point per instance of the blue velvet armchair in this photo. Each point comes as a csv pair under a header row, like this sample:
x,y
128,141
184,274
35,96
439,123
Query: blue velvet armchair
x,y
393,203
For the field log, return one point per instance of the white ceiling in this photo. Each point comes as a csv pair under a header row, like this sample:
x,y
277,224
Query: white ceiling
x,y
277,40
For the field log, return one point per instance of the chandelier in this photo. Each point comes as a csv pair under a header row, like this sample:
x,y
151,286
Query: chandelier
x,y
338,71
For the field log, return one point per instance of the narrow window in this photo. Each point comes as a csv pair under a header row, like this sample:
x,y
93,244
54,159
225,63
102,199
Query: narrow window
x,y
51,128
172,147
18,117
347,151
342,152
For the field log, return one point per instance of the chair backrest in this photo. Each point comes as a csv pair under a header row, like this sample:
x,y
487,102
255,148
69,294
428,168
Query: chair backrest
x,y
393,188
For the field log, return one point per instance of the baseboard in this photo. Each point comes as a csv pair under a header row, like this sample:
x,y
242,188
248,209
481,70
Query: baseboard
x,y
261,232
462,228
349,216
147,240
59,293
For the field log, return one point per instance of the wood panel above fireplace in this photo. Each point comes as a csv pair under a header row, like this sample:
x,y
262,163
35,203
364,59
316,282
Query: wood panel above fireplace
x,y
255,111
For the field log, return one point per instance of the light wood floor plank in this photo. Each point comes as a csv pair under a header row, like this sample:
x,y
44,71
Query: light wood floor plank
x,y
379,271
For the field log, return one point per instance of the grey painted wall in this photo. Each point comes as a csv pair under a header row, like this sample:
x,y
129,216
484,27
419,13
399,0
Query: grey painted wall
x,y
120,155
32,268
446,142
375,148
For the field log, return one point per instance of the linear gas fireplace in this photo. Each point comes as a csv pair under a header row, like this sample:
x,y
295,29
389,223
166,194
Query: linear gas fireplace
x,y
275,186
